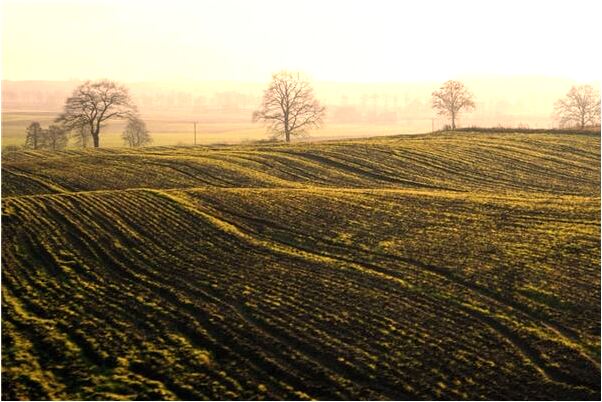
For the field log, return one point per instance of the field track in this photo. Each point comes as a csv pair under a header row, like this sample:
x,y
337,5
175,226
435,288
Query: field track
x,y
461,266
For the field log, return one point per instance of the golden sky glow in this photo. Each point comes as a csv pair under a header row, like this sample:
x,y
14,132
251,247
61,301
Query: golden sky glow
x,y
352,41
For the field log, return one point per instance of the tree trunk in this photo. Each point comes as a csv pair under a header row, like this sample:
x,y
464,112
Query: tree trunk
x,y
453,121
95,136
287,136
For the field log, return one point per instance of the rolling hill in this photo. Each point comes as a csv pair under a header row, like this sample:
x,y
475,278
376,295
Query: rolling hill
x,y
446,266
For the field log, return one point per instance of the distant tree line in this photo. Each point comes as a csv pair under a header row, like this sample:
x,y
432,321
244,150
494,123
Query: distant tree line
x,y
54,137
289,109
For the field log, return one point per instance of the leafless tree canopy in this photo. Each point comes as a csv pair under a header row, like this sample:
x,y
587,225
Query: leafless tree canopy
x,y
451,98
82,136
35,136
135,133
92,103
289,107
55,138
579,108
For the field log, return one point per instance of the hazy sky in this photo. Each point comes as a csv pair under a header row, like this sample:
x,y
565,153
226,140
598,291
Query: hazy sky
x,y
353,41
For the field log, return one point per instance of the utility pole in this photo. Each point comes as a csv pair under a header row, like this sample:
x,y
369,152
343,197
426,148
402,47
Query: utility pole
x,y
195,133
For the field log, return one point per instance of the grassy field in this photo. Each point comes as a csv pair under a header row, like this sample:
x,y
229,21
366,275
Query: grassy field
x,y
447,266
211,128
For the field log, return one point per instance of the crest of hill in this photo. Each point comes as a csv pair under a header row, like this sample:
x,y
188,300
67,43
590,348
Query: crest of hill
x,y
502,161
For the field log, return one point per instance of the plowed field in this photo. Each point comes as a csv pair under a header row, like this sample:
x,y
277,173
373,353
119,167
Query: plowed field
x,y
452,266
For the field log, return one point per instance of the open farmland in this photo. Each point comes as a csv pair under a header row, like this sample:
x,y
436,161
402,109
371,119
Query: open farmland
x,y
178,129
447,266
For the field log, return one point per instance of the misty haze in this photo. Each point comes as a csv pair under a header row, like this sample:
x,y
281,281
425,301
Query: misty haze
x,y
286,200
222,110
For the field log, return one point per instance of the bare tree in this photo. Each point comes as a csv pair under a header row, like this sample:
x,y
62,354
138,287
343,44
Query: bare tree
x,y
93,103
55,138
579,108
452,98
82,135
289,107
35,136
135,133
